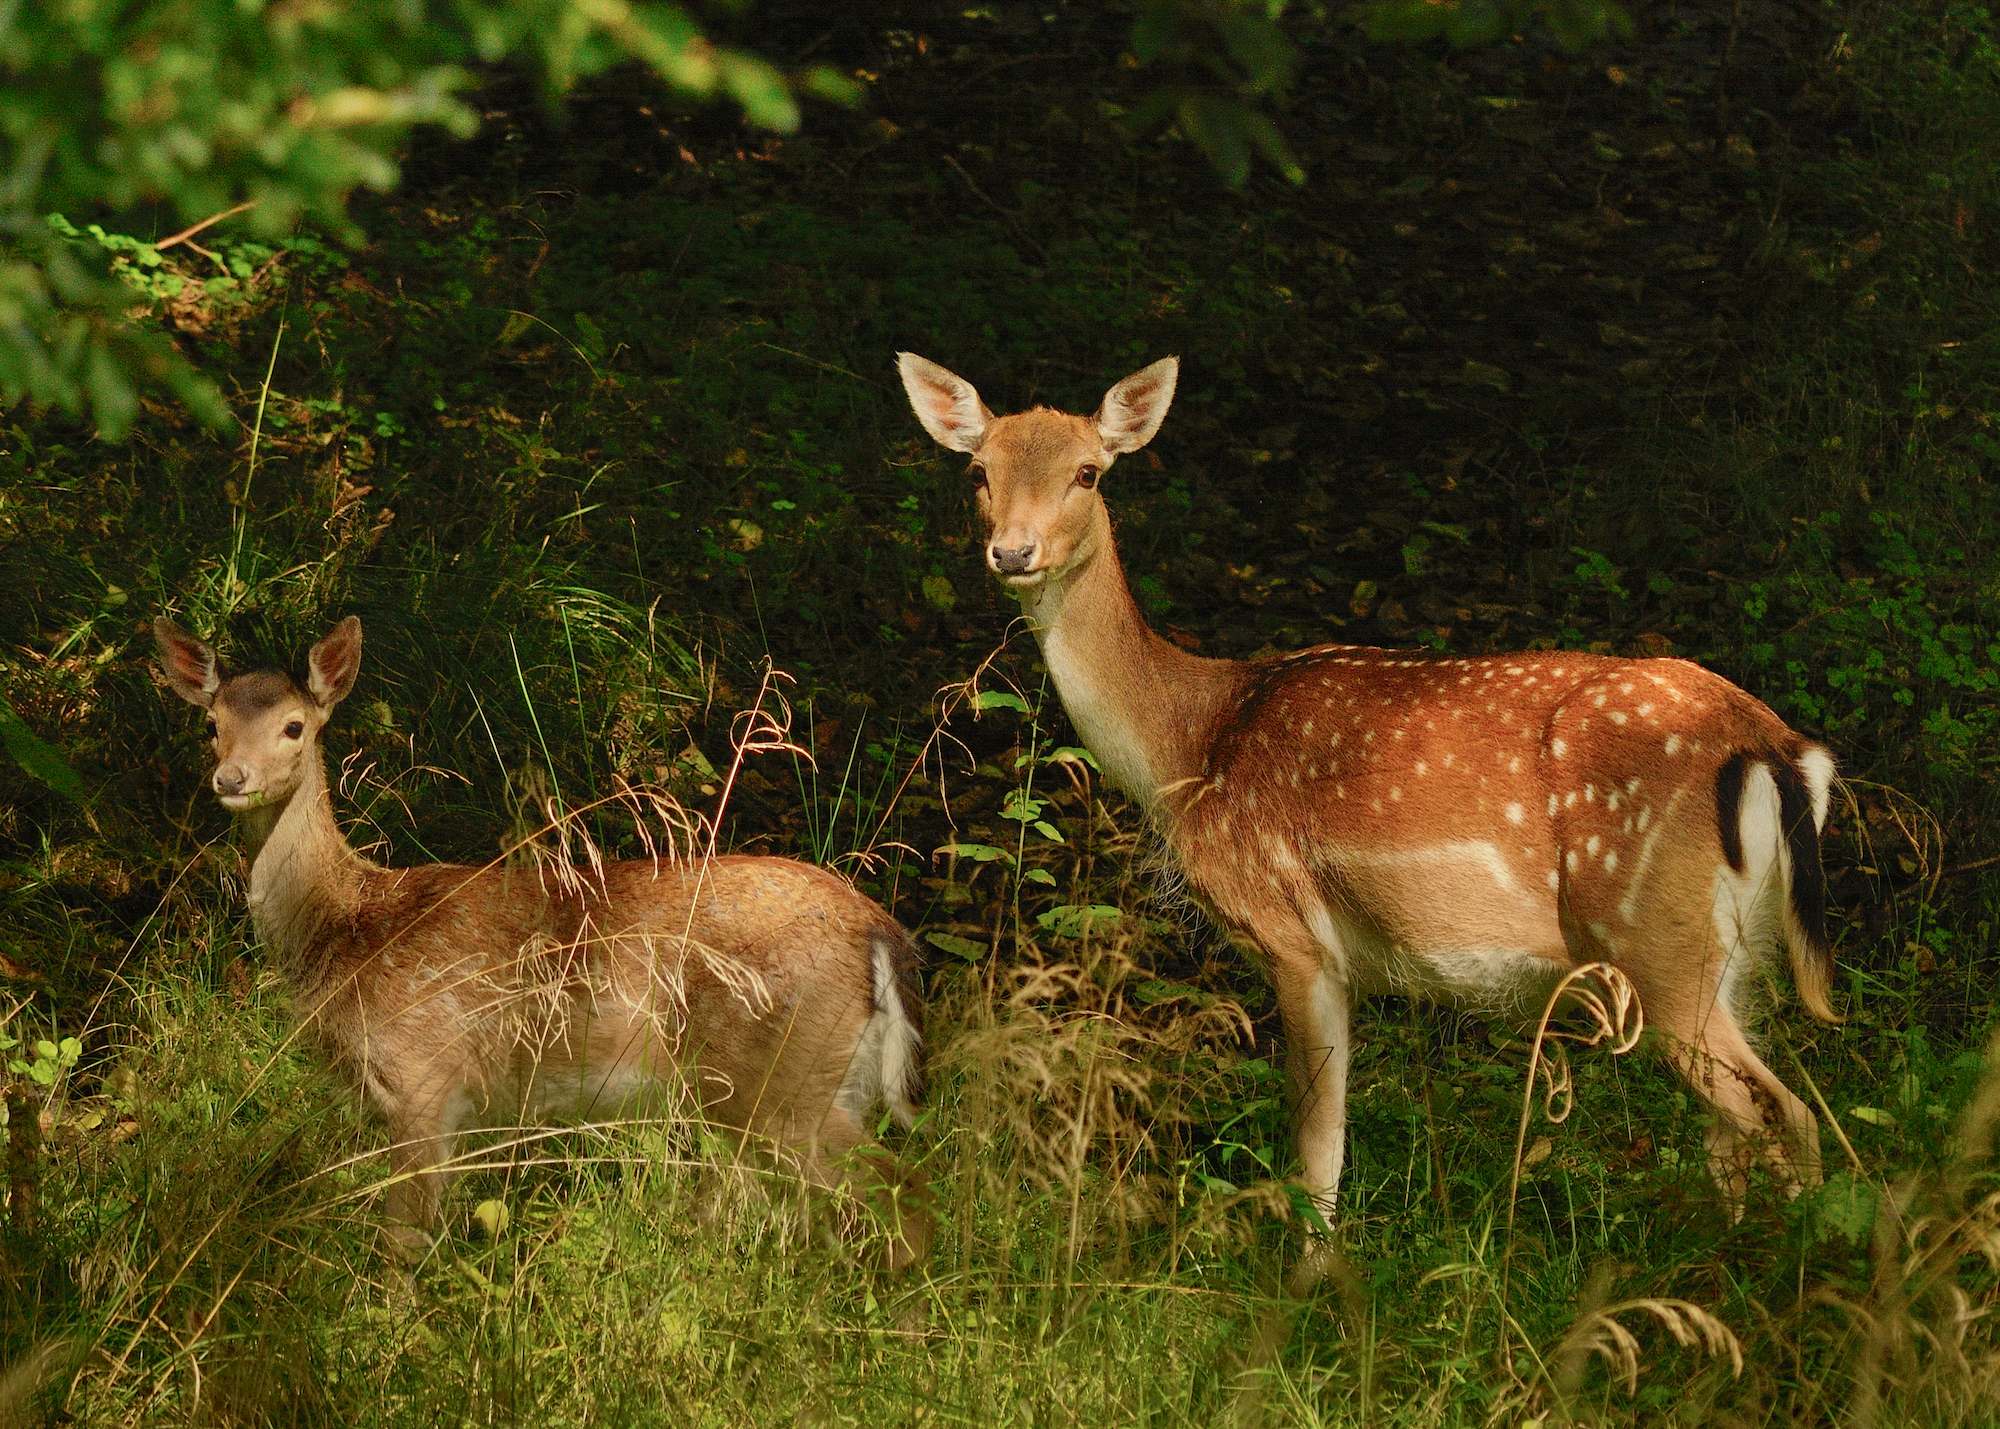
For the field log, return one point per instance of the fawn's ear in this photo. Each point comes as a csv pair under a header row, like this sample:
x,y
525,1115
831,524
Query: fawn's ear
x,y
1133,409
188,664
334,662
944,402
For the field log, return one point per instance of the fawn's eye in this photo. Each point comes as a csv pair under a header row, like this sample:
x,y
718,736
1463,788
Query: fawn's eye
x,y
295,729
978,475
1086,476
210,722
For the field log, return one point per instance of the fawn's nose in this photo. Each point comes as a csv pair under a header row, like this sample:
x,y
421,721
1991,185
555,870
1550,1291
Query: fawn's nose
x,y
230,778
1011,560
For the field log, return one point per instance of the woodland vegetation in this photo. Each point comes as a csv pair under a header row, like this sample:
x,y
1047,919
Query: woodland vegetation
x,y
563,357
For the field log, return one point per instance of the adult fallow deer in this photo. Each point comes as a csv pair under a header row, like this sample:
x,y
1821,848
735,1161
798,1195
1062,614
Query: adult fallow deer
x,y
761,994
1463,829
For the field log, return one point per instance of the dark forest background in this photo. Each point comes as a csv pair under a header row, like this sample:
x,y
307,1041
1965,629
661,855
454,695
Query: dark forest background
x,y
1681,340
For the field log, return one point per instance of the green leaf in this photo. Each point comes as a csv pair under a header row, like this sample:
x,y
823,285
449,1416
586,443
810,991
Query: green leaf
x,y
1216,126
1071,754
762,91
1021,807
999,700
1039,875
1156,990
38,757
1270,142
1049,831
1073,920
958,947
1844,1208
831,85
978,853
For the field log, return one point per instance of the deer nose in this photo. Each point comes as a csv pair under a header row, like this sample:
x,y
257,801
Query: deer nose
x,y
230,778
1012,561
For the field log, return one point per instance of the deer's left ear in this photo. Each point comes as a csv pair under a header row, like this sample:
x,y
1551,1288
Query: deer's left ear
x,y
1133,409
334,662
188,664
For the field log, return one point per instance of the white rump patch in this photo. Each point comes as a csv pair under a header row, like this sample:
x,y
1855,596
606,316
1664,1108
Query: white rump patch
x,y
883,1069
1748,907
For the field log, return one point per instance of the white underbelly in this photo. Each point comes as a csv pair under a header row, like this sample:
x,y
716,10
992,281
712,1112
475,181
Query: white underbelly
x,y
1488,979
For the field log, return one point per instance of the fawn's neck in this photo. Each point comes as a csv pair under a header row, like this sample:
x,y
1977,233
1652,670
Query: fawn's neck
x,y
1146,708
303,875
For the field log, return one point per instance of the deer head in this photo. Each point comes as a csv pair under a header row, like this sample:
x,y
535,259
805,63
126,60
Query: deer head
x,y
1037,472
264,727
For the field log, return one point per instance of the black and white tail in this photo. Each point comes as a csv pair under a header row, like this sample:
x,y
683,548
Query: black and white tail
x,y
1777,805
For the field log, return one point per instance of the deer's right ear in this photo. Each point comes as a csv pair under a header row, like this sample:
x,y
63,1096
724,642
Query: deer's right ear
x,y
334,662
188,664
1133,409
944,402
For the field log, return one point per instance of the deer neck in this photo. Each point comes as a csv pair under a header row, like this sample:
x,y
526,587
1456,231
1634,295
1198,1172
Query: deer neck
x,y
1145,708
304,878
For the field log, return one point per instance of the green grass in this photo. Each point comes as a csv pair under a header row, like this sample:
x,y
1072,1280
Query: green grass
x,y
588,432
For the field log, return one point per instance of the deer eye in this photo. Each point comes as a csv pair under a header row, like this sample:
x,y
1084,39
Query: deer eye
x,y
210,722
978,475
1086,476
295,729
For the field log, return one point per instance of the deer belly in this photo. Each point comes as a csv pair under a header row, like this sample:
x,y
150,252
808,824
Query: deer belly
x,y
607,1066
1485,980
1456,923
556,1092
1509,974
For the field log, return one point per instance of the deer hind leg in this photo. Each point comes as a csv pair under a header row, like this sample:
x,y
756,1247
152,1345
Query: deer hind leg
x,y
1757,1119
842,1160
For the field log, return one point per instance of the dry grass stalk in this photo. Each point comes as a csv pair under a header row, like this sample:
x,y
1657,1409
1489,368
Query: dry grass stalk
x,y
1611,1014
1603,1333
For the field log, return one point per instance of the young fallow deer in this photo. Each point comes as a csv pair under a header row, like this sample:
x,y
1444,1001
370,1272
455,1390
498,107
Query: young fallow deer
x,y
764,994
1462,829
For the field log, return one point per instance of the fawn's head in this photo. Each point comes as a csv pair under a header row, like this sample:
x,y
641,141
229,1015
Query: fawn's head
x,y
1037,471
264,726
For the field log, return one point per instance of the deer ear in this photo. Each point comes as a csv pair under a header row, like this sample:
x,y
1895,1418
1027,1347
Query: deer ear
x,y
334,662
188,664
944,402
1134,408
